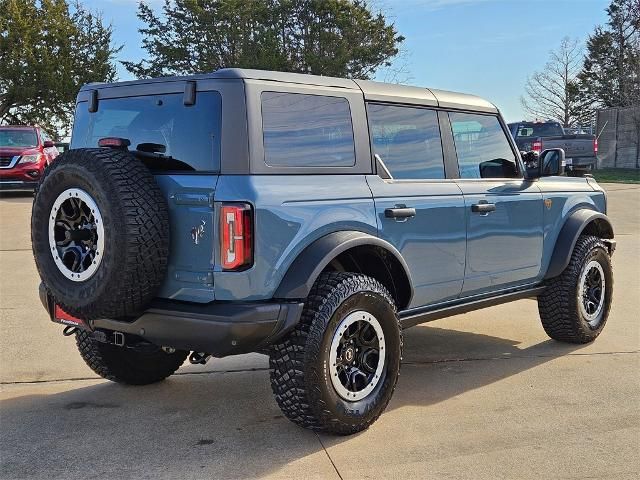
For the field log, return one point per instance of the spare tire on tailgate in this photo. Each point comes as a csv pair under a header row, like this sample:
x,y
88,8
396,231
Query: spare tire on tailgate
x,y
100,233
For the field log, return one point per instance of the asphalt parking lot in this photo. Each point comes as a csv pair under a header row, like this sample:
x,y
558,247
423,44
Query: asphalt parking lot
x,y
483,395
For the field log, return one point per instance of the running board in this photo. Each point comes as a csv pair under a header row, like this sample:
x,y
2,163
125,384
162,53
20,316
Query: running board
x,y
410,318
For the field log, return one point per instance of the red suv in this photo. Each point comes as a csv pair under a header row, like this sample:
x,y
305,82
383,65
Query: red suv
x,y
24,153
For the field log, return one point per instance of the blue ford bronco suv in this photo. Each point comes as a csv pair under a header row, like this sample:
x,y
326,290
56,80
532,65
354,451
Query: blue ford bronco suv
x,y
308,218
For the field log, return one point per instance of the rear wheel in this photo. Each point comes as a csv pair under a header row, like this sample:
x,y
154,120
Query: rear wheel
x,y
128,365
575,305
336,371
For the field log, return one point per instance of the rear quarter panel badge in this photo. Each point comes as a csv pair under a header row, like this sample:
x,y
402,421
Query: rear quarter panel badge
x,y
197,233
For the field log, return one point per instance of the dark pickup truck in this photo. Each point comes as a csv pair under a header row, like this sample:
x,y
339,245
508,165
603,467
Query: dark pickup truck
x,y
580,150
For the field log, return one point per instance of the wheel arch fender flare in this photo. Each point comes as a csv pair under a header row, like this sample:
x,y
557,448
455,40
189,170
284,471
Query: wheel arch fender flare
x,y
578,222
305,269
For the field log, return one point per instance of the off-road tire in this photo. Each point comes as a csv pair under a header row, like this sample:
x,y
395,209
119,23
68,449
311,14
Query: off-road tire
x,y
126,365
136,233
558,305
300,377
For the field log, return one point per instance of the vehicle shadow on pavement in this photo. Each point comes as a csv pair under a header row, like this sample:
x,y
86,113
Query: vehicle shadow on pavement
x,y
225,425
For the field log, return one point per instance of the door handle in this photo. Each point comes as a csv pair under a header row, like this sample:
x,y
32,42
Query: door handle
x,y
404,212
484,208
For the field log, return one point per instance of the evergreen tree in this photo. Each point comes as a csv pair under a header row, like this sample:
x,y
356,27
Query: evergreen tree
x,y
611,72
323,37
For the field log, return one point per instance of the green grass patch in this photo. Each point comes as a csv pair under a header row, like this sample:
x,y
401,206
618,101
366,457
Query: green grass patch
x,y
617,175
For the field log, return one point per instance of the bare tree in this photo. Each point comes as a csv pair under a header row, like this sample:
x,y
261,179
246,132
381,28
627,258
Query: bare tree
x,y
554,93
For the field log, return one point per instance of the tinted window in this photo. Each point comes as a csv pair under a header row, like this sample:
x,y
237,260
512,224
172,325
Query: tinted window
x,y
189,134
307,130
407,140
482,147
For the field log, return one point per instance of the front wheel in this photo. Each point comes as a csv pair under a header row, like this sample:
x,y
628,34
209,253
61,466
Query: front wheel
x,y
337,370
575,305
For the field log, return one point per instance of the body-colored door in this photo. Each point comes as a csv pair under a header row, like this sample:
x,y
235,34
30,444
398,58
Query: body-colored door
x,y
432,241
504,242
418,211
504,212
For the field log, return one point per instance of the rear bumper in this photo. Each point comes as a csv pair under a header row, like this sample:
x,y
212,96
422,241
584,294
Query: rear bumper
x,y
217,328
581,163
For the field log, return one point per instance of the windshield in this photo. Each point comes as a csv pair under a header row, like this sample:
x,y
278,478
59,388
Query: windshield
x,y
18,138
539,130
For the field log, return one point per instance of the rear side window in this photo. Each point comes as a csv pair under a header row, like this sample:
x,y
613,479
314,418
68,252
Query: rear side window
x,y
301,130
407,140
188,134
482,147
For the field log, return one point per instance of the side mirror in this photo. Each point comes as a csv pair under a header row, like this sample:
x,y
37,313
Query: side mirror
x,y
48,144
552,162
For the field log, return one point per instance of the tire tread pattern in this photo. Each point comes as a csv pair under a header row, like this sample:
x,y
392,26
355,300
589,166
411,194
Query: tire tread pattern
x,y
557,305
294,380
142,219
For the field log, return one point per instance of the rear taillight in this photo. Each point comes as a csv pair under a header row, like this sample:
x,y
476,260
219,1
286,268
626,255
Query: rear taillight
x,y
236,232
595,146
537,146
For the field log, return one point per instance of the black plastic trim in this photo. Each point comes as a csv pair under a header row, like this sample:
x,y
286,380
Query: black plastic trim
x,y
6,185
306,268
571,230
93,101
189,97
448,146
217,328
410,318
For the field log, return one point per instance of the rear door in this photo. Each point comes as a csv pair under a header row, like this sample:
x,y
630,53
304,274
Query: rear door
x,y
504,212
419,212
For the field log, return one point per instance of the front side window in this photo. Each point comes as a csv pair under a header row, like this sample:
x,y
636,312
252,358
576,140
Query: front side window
x,y
482,147
407,140
160,126
301,130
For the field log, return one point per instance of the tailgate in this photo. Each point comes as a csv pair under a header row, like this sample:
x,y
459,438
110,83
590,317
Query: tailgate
x,y
573,147
192,242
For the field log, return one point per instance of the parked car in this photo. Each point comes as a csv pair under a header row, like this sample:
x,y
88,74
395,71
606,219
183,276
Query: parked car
x,y
309,218
580,149
24,153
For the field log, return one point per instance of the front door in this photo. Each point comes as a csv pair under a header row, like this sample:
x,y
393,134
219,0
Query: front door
x,y
504,212
419,212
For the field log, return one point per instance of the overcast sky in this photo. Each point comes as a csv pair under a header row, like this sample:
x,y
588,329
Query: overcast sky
x,y
484,47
